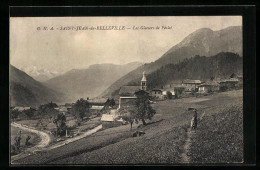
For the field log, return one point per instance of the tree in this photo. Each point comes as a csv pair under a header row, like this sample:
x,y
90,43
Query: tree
x,y
178,91
14,114
27,143
51,105
223,88
47,109
29,113
18,139
81,109
143,108
41,124
112,103
140,110
129,115
60,122
169,95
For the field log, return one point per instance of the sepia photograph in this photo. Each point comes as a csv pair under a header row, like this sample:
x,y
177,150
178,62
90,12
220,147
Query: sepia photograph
x,y
126,90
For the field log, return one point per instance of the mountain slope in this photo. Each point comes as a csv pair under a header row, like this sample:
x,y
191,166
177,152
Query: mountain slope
x,y
203,68
83,83
203,42
39,74
25,91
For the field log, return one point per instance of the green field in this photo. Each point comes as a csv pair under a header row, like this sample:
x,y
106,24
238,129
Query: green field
x,y
165,136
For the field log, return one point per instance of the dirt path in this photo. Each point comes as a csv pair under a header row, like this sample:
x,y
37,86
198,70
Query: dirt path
x,y
89,132
185,157
45,140
43,145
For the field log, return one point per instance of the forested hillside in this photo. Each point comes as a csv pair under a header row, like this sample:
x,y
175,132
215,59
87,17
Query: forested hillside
x,y
199,67
203,42
25,91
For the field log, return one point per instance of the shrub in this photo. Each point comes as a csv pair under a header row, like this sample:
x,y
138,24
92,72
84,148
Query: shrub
x,y
60,122
81,109
169,95
143,109
14,114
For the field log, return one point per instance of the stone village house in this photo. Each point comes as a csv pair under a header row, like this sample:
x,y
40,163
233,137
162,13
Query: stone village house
x,y
157,94
128,94
109,121
210,86
191,85
127,97
229,83
161,94
98,105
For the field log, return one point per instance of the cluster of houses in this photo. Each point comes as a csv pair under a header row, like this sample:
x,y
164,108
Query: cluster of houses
x,y
198,86
127,97
129,94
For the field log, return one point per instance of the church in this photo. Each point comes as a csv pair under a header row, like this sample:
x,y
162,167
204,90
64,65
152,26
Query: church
x,y
128,94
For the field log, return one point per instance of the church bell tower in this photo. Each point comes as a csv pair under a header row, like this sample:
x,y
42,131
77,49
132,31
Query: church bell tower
x,y
143,82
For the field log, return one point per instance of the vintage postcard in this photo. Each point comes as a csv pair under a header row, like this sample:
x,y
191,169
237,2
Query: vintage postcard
x,y
126,90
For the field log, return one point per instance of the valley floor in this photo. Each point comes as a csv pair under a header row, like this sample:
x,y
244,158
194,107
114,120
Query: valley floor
x,y
168,138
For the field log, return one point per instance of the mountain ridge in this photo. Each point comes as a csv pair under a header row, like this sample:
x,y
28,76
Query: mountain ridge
x,y
203,42
39,74
90,82
26,91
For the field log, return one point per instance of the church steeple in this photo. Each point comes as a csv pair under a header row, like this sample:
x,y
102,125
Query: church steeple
x,y
143,82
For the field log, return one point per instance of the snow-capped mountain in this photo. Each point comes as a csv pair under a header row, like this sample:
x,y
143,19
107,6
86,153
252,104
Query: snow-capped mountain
x,y
40,74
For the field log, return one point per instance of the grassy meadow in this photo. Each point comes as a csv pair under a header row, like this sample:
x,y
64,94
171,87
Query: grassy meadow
x,y
15,131
218,137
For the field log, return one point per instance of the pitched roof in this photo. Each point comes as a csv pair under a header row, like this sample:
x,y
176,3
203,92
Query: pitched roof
x,y
191,81
156,90
141,92
62,109
21,108
113,112
210,83
68,104
98,100
176,85
107,118
97,107
128,90
230,80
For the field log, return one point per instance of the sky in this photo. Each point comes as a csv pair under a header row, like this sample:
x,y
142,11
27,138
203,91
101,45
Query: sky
x,y
62,50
